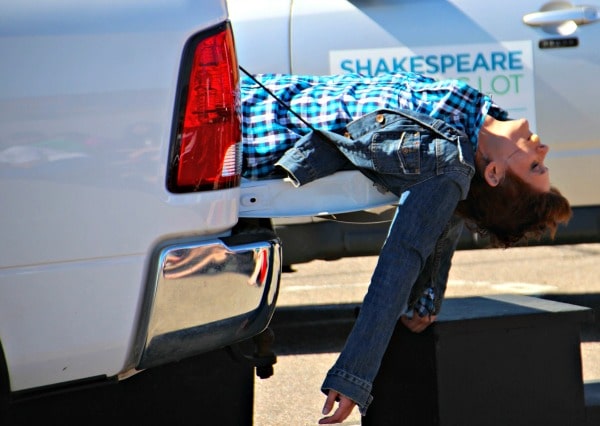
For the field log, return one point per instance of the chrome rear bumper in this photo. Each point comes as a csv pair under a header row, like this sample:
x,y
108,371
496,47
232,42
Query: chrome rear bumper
x,y
206,295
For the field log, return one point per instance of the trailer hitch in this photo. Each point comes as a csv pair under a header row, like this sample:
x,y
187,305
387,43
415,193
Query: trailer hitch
x,y
263,357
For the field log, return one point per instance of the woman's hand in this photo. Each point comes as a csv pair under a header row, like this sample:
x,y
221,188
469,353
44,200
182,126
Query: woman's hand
x,y
345,407
417,324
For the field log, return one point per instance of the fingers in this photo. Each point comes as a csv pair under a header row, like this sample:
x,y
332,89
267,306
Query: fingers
x,y
417,324
344,409
329,401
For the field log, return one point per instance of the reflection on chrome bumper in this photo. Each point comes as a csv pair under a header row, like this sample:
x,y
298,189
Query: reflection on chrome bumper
x,y
205,295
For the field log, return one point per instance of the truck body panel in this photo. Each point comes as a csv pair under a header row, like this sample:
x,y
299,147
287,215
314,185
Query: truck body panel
x,y
87,113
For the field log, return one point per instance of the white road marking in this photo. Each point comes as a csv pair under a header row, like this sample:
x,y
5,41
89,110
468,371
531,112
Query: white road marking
x,y
524,288
509,287
294,288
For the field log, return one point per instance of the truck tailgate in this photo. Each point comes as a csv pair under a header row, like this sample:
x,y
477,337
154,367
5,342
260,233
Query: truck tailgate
x,y
344,191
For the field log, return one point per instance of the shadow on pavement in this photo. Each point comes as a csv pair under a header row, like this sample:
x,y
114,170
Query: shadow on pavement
x,y
324,328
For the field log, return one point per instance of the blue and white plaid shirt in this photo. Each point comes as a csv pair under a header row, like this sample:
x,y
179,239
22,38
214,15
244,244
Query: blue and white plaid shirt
x,y
331,102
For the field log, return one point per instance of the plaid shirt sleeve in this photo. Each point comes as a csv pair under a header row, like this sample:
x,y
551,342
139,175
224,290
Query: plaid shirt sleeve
x,y
425,304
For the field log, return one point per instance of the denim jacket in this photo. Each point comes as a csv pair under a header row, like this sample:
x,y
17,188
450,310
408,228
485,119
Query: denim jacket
x,y
429,166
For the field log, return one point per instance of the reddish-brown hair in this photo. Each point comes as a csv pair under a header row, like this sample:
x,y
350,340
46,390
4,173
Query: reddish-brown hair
x,y
512,211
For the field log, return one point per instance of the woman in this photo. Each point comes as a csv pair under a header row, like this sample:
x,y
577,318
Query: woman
x,y
449,154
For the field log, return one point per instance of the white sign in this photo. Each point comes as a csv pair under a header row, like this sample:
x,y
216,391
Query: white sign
x,y
502,70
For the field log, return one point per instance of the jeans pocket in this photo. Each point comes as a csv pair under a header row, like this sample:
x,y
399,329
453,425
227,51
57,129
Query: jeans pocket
x,y
395,152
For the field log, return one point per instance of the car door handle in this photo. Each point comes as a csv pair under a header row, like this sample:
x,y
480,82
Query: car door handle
x,y
581,15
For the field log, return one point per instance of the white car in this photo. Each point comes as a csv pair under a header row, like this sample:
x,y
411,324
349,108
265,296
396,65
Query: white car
x,y
537,59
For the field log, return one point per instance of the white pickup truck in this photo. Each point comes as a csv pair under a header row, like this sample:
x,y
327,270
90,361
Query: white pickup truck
x,y
123,248
129,239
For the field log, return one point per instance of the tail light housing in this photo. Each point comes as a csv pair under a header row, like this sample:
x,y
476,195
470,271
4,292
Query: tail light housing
x,y
206,141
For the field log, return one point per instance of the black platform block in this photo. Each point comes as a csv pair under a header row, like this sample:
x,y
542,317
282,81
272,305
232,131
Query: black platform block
x,y
592,403
497,360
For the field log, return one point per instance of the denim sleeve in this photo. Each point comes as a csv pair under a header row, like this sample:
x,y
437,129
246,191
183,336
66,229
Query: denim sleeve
x,y
428,292
312,157
421,218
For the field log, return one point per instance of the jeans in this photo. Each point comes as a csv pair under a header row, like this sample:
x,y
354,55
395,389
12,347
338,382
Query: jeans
x,y
429,165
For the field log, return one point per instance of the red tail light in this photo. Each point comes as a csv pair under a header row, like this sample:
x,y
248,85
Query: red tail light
x,y
206,150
